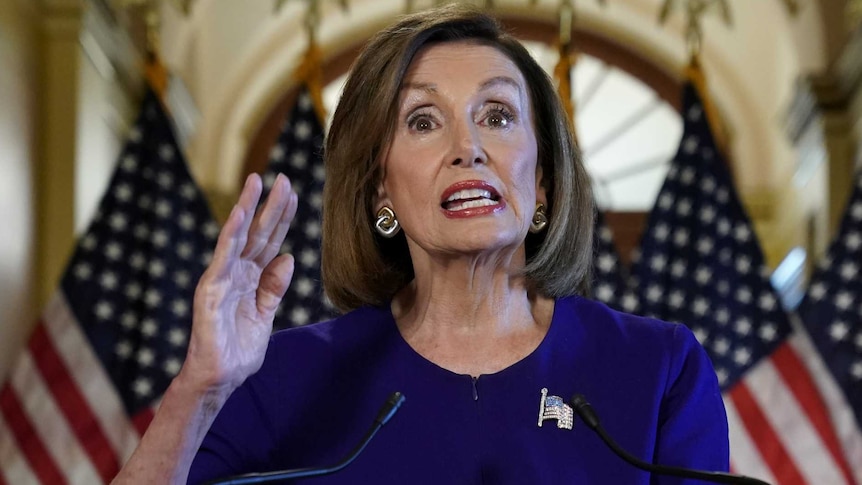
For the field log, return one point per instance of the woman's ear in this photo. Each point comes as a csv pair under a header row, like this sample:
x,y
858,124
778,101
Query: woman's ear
x,y
541,192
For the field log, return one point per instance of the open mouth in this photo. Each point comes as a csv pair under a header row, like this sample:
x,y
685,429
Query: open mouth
x,y
470,199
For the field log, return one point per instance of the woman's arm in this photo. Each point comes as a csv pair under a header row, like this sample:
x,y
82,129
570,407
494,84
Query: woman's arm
x,y
234,306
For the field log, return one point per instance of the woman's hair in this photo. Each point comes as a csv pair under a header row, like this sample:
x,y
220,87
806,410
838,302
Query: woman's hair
x,y
361,268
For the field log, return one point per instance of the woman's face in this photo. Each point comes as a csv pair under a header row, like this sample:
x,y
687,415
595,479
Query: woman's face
x,y
461,172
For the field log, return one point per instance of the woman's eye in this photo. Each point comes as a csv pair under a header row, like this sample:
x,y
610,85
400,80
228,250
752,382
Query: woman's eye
x,y
499,117
421,123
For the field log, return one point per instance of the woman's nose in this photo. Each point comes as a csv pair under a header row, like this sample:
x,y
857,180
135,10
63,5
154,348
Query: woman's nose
x,y
467,149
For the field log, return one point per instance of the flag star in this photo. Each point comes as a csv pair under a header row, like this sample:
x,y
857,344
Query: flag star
x,y
662,231
858,340
705,245
142,387
109,280
188,191
156,268
677,269
701,334
690,144
211,230
701,306
206,258
133,291
303,130
703,275
152,298
665,201
304,102
166,152
654,293
277,153
856,211
680,237
304,287
165,180
707,214
146,357
163,208
312,229
172,366
104,310
182,279
743,264
145,202
630,302
856,370
687,176
180,308
818,290
676,300
604,292
741,356
184,250
684,207
707,153
707,184
135,134
299,316
725,256
299,160
721,346
723,227
722,316
849,271
308,257
838,330
142,231
658,263
123,349
825,262
177,337
723,287
742,233
83,271
694,113
852,241
766,302
319,173
113,251
767,332
129,163
606,262
742,326
722,375
843,300
118,222
743,295
89,242
187,221
149,328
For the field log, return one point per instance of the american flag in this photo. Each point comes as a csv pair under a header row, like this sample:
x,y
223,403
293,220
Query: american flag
x,y
298,154
832,313
701,264
116,331
610,279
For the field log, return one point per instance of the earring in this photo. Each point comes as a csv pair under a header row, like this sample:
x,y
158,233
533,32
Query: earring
x,y
387,225
540,219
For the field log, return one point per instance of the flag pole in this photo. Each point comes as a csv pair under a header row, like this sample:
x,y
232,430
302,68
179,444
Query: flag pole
x,y
563,69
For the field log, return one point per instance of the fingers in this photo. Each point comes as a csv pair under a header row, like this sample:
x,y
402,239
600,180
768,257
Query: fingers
x,y
271,223
234,233
273,284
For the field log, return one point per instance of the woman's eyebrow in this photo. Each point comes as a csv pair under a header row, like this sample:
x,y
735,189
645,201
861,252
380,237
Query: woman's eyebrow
x,y
498,80
427,87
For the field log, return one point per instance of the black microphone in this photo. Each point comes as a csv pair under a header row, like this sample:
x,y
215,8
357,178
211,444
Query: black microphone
x,y
589,417
386,412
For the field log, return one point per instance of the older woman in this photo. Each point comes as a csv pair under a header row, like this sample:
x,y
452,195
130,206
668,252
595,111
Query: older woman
x,y
456,236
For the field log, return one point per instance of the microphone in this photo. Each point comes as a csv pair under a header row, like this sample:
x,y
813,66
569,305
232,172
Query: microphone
x,y
386,412
591,419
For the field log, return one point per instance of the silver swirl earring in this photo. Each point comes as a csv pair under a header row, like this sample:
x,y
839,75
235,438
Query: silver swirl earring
x,y
540,219
386,225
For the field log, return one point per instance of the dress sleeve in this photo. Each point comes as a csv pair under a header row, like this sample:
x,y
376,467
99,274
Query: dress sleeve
x,y
692,420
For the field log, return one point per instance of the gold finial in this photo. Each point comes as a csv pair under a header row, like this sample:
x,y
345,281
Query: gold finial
x,y
695,11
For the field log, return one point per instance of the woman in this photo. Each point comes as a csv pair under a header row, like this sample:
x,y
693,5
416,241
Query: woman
x,y
457,232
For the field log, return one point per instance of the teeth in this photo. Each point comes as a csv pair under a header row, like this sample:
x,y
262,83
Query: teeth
x,y
469,194
469,204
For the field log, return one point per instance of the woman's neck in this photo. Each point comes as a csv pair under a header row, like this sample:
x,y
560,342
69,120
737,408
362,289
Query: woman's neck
x,y
471,316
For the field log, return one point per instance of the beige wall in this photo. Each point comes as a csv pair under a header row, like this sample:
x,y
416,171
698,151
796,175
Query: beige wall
x,y
18,98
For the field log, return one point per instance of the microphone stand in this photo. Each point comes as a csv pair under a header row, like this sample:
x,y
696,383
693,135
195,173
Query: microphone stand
x,y
591,419
386,412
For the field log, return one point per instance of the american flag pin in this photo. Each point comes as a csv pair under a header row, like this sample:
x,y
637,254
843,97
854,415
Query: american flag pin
x,y
553,407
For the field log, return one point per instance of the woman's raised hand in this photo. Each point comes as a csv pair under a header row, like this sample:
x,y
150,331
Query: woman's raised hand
x,y
237,296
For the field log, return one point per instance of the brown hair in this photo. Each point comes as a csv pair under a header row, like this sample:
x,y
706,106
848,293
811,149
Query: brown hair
x,y
361,268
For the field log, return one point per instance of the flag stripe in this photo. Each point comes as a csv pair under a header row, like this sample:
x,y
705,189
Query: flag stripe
x,y
744,455
795,376
29,441
789,421
48,421
142,420
13,467
771,448
90,377
73,405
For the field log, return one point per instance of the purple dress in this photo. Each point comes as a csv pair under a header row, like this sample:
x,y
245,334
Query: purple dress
x,y
321,386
